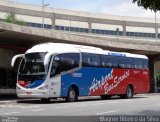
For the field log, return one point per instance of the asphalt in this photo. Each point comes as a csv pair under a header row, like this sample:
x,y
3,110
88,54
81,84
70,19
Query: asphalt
x,y
7,99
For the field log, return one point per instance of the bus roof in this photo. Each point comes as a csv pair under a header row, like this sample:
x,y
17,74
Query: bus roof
x,y
62,48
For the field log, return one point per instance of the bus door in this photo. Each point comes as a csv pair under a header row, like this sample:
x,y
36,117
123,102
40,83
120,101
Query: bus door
x,y
62,65
55,78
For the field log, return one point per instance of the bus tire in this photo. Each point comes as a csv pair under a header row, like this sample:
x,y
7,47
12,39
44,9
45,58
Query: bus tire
x,y
45,100
105,97
72,95
129,93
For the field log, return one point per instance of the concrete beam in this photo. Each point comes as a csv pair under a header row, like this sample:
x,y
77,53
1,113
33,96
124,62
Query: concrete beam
x,y
88,39
78,16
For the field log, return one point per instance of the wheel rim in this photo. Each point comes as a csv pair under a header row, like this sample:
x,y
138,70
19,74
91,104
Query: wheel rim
x,y
129,92
72,95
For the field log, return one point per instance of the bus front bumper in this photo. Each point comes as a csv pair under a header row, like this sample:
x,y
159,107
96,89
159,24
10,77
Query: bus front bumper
x,y
32,93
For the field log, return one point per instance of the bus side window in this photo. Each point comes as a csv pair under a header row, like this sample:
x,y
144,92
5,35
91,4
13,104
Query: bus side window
x,y
145,64
124,62
89,59
138,64
69,61
109,61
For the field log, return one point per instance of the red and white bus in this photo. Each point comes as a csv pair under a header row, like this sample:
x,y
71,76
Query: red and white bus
x,y
53,70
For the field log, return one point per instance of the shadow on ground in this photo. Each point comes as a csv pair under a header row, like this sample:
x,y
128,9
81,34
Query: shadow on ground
x,y
81,99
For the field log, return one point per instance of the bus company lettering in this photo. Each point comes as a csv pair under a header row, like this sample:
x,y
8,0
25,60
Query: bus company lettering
x,y
29,85
107,83
116,81
98,84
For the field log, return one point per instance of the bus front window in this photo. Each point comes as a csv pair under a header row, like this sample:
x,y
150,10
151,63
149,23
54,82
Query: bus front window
x,y
33,65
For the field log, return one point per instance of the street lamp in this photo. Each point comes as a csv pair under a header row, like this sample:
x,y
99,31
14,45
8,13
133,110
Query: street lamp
x,y
43,5
156,28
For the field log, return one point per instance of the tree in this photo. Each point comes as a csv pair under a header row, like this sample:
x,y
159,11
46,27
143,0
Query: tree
x,y
149,4
11,18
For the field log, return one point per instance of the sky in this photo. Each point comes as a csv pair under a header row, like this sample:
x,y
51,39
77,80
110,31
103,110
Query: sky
x,y
113,7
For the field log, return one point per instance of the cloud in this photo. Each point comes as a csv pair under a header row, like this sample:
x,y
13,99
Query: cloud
x,y
126,8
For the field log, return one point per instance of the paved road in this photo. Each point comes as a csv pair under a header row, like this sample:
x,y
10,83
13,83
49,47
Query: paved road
x,y
90,106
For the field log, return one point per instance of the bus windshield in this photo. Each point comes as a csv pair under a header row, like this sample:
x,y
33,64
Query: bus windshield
x,y
32,64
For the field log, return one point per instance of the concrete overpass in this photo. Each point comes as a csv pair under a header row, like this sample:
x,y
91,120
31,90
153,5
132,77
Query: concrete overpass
x,y
33,36
25,37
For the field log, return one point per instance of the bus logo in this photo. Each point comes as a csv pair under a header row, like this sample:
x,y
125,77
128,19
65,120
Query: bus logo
x,y
76,75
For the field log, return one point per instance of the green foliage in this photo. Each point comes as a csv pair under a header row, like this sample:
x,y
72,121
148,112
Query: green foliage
x,y
149,4
11,18
158,76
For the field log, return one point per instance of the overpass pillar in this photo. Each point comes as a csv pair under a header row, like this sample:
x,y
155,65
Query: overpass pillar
x,y
53,19
154,66
156,31
89,27
124,28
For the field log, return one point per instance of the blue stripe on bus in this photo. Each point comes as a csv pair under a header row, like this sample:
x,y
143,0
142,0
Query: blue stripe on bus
x,y
83,79
34,83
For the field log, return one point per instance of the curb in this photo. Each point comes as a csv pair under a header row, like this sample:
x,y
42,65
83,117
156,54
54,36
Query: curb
x,y
7,101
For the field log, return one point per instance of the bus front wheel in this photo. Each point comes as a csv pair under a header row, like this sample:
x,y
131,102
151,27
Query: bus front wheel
x,y
45,100
72,95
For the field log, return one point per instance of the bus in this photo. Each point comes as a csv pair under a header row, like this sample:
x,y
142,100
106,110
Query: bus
x,y
59,70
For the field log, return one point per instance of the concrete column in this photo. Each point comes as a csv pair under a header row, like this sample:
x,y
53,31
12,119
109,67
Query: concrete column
x,y
156,27
124,28
53,21
156,31
89,27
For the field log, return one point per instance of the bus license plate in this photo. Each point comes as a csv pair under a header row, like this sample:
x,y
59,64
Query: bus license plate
x,y
29,93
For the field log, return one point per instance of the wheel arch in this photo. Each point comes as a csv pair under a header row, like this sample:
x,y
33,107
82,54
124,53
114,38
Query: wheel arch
x,y
75,87
131,85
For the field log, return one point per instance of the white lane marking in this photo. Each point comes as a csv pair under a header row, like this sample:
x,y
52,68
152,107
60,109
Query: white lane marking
x,y
3,105
60,107
115,102
81,105
158,104
127,101
98,104
5,101
28,106
107,112
11,106
38,110
12,113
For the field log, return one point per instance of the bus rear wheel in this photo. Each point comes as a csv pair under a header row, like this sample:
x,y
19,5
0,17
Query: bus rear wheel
x,y
129,93
72,95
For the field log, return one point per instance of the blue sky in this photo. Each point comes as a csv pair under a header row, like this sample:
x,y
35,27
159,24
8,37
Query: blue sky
x,y
114,7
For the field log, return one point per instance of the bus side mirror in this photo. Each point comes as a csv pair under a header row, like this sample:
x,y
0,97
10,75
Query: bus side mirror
x,y
15,58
